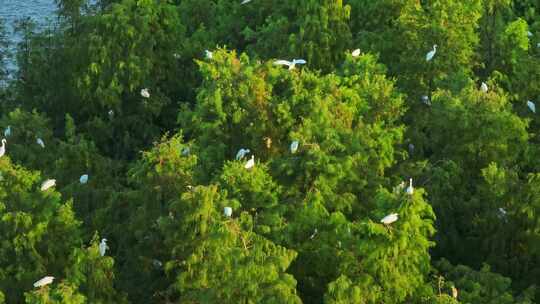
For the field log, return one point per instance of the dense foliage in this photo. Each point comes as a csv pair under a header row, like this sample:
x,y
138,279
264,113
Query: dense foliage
x,y
138,109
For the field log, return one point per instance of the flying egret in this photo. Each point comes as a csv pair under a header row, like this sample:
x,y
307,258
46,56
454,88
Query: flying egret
x,y
227,211
145,93
3,147
389,219
290,64
484,87
431,53
208,54
294,146
103,247
7,131
48,184
40,142
241,153
531,106
425,99
83,179
44,281
410,189
250,163
245,1
356,53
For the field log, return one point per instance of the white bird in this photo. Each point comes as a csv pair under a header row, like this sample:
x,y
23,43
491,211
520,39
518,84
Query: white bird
x,y
208,54
3,147
44,281
454,292
250,163
245,1
227,211
410,189
290,64
538,45
502,211
356,53
186,151
531,106
103,247
294,146
7,131
425,99
529,33
157,263
48,184
484,87
314,234
40,142
389,219
83,179
145,93
241,153
431,53
111,114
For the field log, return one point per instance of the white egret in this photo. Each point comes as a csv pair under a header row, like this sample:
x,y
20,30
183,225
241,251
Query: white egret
x,y
186,151
529,34
83,179
103,247
502,212
241,153
356,53
454,292
314,234
290,64
227,211
7,131
389,219
145,93
44,281
425,99
40,142
208,54
294,146
538,45
484,87
531,106
3,147
157,263
410,189
48,184
250,163
431,53
111,114
245,1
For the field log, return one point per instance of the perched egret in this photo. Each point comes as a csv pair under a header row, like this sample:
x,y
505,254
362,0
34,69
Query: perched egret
x,y
529,33
103,247
83,179
538,45
208,54
454,292
294,146
356,53
227,211
314,234
268,142
186,151
425,99
250,163
157,263
484,87
410,189
241,153
145,93
245,1
290,64
48,184
3,147
502,212
7,131
389,219
111,114
40,142
431,53
531,106
44,281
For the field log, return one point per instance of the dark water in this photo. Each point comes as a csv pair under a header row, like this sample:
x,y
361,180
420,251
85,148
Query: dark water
x,y
41,11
